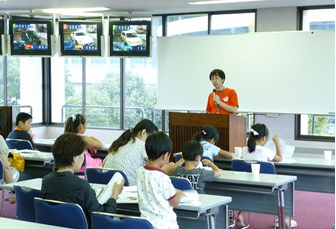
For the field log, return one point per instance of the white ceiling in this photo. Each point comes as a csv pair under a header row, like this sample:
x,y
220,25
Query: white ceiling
x,y
151,6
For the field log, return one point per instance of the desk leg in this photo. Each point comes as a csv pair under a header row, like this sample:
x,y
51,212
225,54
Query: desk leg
x,y
281,208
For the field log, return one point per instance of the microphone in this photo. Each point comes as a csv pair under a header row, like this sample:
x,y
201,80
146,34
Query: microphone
x,y
214,91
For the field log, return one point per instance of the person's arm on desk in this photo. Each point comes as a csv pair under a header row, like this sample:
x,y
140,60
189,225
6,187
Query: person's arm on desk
x,y
176,200
224,153
93,143
278,156
213,166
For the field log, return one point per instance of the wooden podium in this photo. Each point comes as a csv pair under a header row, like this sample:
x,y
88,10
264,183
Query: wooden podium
x,y
231,129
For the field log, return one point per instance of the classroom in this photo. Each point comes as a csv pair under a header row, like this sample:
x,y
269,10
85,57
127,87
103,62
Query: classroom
x,y
278,55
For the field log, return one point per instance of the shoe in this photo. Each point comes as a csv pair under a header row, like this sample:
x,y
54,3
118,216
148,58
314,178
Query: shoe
x,y
231,216
293,223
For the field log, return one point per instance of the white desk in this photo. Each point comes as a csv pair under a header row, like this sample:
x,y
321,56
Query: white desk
x,y
268,194
313,174
209,203
19,224
31,184
36,156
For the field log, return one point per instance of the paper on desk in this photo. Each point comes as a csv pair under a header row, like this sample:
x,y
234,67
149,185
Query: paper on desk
x,y
286,150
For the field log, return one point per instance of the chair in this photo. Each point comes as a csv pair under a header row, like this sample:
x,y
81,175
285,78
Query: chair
x,y
84,173
2,178
60,214
25,209
103,175
245,166
106,220
18,144
180,183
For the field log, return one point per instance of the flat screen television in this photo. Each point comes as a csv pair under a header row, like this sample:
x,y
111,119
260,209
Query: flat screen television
x,y
130,38
81,38
30,37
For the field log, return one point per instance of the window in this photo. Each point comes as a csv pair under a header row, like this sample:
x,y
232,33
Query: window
x,y
24,85
318,19
182,25
315,127
232,23
311,126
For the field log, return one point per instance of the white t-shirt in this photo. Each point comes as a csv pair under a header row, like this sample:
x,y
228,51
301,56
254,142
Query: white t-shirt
x,y
209,150
129,158
4,150
259,154
154,192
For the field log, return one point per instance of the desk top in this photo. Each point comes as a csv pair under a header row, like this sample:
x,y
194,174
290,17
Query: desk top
x,y
34,155
50,143
19,224
32,184
268,180
307,162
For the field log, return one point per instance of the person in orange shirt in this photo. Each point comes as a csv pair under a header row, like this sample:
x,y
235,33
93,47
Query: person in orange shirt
x,y
222,100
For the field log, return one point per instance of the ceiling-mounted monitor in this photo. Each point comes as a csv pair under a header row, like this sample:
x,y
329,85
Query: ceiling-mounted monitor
x,y
130,38
30,37
81,38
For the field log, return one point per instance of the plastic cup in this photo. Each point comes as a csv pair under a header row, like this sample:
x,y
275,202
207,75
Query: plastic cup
x,y
327,156
238,152
255,169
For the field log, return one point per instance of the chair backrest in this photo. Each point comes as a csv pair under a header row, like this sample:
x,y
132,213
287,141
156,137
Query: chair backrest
x,y
245,166
181,183
103,175
18,144
84,173
25,209
106,220
60,214
2,176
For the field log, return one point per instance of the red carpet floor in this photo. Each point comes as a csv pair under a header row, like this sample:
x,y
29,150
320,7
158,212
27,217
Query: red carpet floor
x,y
312,211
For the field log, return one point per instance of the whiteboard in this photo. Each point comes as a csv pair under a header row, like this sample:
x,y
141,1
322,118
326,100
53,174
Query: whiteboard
x,y
280,72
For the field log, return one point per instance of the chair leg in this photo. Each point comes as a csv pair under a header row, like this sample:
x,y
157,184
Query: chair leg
x,y
2,200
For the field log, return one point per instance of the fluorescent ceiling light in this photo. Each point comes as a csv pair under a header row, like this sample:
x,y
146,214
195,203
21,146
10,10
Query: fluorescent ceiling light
x,y
220,2
74,10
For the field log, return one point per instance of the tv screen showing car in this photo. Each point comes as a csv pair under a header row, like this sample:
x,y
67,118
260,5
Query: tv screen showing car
x,y
30,37
130,38
80,38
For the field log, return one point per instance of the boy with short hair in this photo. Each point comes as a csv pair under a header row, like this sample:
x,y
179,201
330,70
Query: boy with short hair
x,y
156,194
23,125
192,152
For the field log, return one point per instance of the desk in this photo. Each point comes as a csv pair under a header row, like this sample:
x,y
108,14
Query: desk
x,y
46,144
19,224
268,194
36,158
313,174
208,208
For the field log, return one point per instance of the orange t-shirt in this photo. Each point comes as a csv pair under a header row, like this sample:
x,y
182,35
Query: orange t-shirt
x,y
229,97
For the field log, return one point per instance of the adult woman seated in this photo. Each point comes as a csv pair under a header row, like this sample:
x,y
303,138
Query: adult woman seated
x,y
64,185
128,153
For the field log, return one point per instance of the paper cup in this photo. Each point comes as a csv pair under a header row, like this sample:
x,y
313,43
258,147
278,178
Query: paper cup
x,y
238,152
327,156
255,169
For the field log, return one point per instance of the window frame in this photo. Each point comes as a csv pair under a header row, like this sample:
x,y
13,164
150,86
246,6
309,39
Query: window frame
x,y
301,137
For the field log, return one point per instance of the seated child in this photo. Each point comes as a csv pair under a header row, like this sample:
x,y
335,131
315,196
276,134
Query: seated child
x,y
23,125
192,152
208,136
77,124
156,194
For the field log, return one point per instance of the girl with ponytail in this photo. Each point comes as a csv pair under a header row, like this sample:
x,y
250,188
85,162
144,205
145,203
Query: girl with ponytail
x,y
208,136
